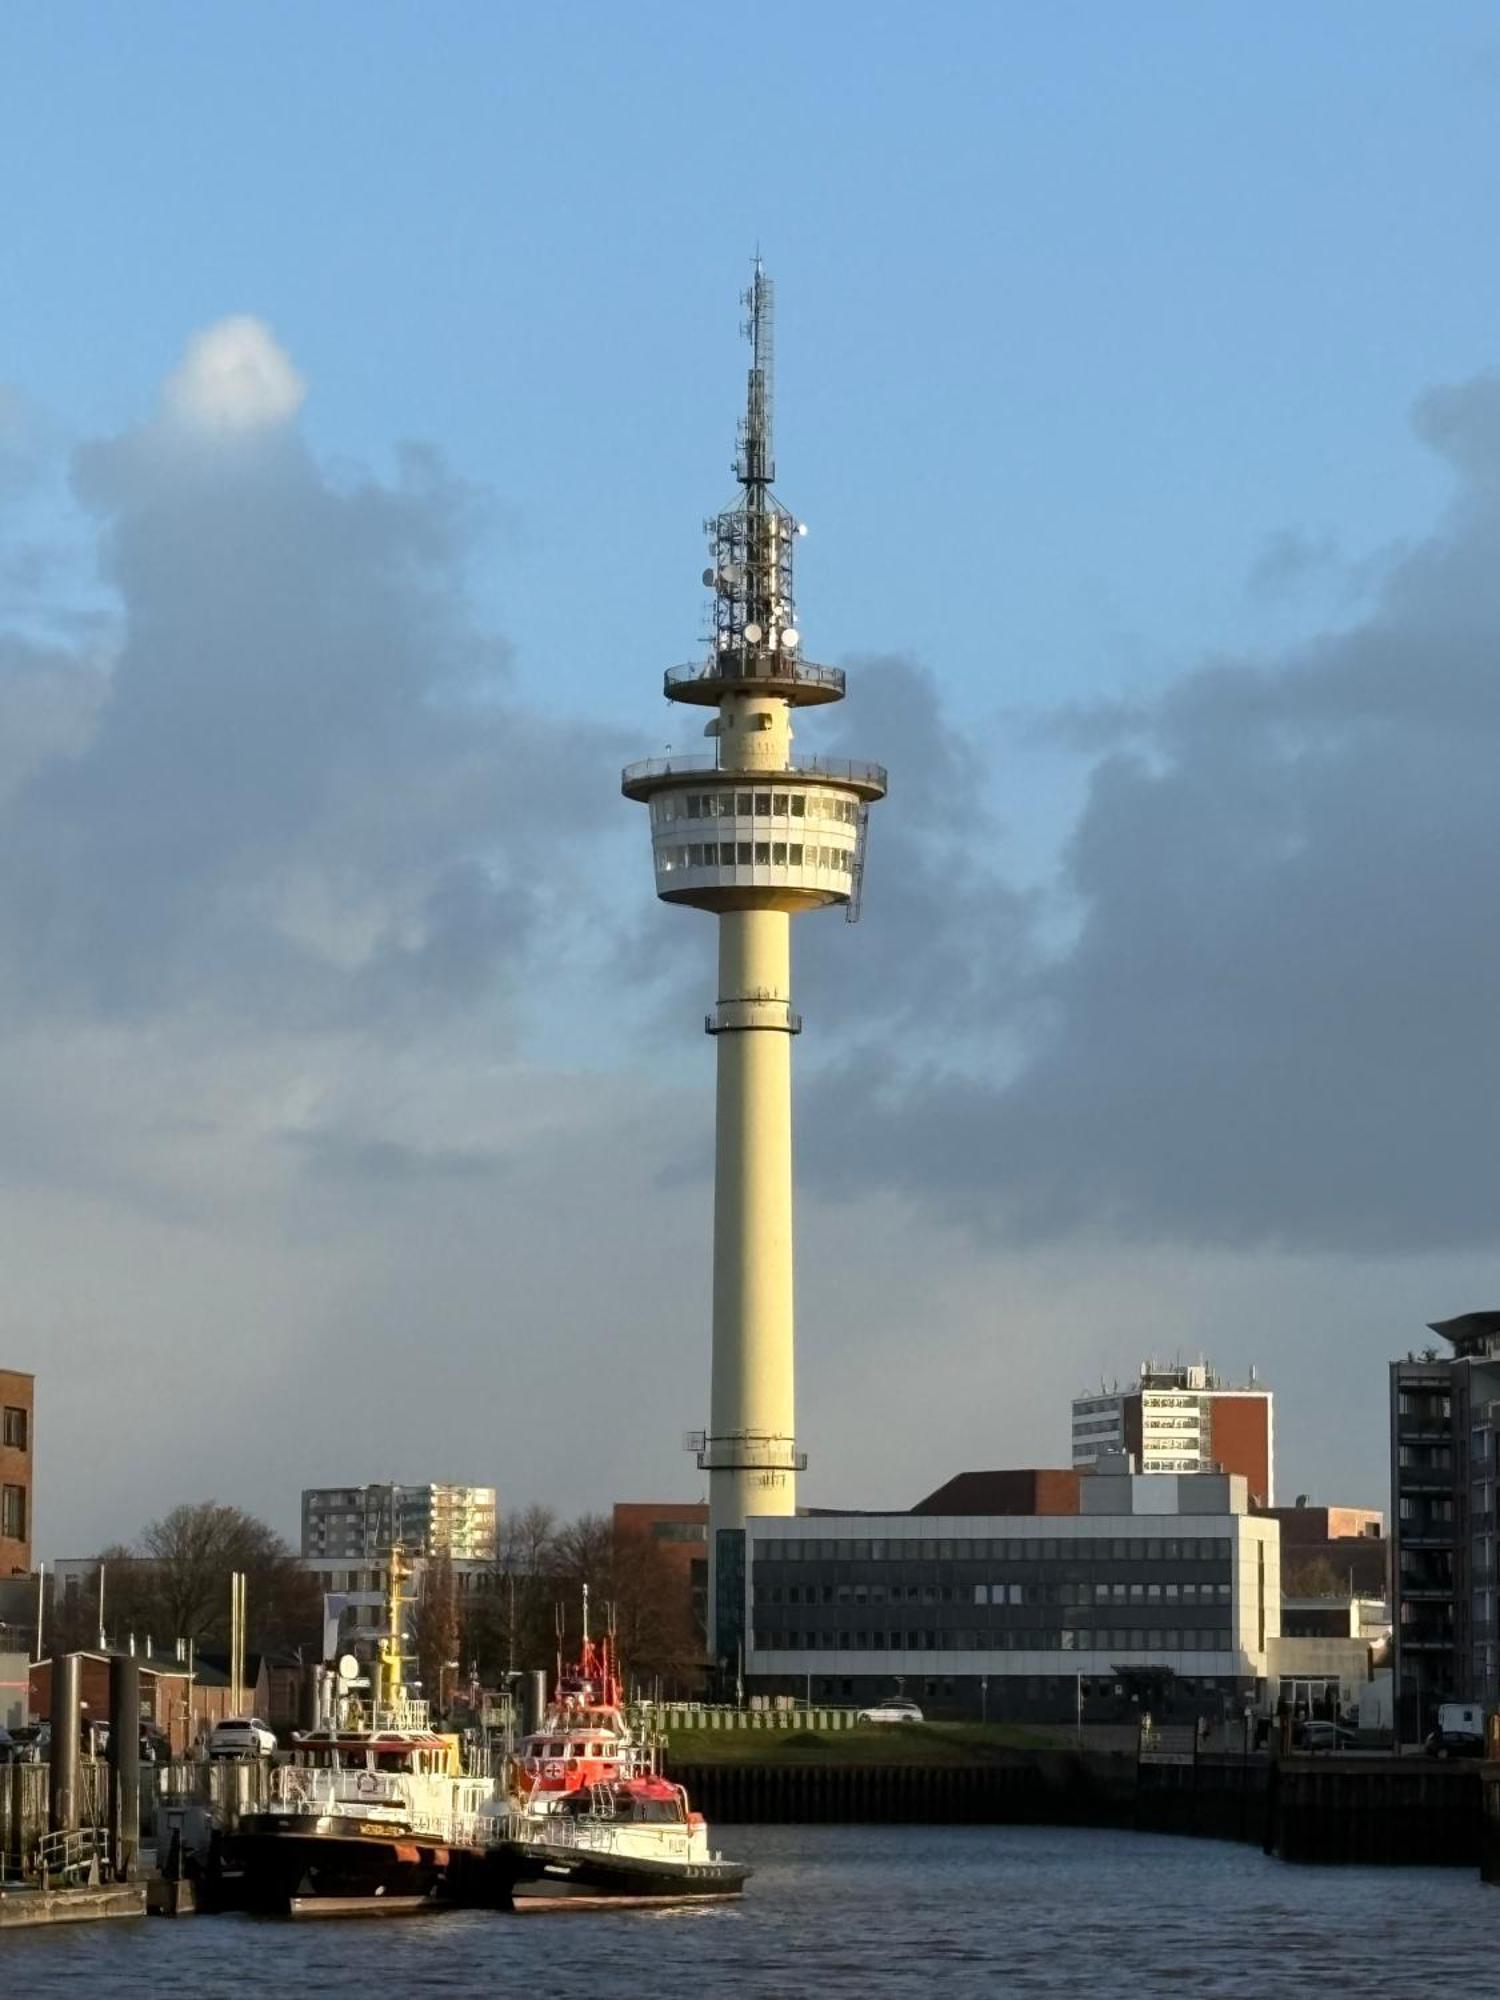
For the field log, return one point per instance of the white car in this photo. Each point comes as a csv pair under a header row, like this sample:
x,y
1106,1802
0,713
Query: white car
x,y
243,1736
893,1710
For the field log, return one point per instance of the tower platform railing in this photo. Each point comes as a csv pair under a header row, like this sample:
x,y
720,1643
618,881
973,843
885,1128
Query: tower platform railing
x,y
697,764
798,679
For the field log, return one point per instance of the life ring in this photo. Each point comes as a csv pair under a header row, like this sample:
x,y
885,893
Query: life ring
x,y
367,1782
552,1768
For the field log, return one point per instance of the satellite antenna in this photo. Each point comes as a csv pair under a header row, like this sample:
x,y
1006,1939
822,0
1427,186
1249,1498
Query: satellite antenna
x,y
753,633
790,639
348,1668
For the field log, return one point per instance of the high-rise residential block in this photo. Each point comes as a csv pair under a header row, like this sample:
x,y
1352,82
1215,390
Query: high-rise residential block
x,y
359,1523
1182,1418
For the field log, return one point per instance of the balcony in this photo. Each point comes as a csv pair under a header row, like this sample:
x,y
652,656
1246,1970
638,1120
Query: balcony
x,y
654,774
795,680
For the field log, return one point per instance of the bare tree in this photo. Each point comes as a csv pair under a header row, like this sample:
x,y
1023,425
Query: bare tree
x,y
437,1630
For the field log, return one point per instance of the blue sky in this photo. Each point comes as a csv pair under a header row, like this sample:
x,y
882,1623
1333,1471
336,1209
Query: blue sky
x,y
1099,333
1079,305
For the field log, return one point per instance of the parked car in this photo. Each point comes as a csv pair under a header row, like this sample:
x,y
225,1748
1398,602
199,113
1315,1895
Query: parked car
x,y
1322,1735
894,1710
241,1736
1459,1732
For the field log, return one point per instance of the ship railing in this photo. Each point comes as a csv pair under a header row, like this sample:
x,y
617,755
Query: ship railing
x,y
559,1830
295,1785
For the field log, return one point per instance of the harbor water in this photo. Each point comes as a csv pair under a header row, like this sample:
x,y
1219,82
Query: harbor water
x,y
854,1911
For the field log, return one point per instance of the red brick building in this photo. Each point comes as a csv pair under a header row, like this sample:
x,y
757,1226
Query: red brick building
x,y
679,1530
1348,1542
1182,1417
17,1449
181,1707
1016,1490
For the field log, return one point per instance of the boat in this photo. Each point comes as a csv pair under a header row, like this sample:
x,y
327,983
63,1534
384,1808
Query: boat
x,y
587,1811
369,1812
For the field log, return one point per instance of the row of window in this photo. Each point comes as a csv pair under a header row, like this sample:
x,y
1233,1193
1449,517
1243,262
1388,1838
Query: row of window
x,y
13,1435
754,854
760,805
1167,1639
13,1513
992,1593
1044,1548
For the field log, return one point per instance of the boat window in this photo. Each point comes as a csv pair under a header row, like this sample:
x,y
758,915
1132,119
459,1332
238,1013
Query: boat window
x,y
778,853
780,804
742,803
799,805
795,854
763,802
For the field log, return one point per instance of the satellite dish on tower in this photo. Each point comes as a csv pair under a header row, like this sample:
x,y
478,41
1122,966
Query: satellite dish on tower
x,y
348,1668
753,634
791,638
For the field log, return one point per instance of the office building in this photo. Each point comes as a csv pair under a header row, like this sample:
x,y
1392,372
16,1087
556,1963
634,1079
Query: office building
x,y
1034,1615
1182,1418
17,1462
359,1523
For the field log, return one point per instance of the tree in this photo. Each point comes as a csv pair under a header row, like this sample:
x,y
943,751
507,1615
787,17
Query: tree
x,y
437,1632
174,1582
532,1602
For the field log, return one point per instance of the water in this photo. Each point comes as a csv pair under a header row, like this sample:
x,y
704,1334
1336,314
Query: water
x,y
855,1911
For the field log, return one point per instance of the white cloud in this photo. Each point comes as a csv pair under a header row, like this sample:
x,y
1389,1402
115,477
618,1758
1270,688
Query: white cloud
x,y
235,376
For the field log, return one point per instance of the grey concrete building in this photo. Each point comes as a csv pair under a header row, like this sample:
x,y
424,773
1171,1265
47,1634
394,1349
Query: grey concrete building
x,y
1020,1615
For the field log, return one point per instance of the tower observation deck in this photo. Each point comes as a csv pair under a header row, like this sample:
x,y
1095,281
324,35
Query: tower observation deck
x,y
755,834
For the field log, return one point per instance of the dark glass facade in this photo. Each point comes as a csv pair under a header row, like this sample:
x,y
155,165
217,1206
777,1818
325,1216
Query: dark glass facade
x,y
1121,1595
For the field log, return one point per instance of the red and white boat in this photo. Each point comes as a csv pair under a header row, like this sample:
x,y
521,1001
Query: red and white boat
x,y
587,1809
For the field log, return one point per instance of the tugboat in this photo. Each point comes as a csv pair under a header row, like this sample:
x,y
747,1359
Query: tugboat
x,y
371,1812
588,1812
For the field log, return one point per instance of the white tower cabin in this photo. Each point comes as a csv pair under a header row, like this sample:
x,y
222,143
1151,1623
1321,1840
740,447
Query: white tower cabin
x,y
756,834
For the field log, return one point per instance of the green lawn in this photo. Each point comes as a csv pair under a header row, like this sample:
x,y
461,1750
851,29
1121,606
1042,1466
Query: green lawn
x,y
870,1743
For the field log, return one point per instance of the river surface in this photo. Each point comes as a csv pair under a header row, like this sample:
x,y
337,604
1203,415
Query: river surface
x,y
853,1911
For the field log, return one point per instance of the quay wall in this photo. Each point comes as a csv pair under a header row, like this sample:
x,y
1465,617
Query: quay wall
x,y
1397,1811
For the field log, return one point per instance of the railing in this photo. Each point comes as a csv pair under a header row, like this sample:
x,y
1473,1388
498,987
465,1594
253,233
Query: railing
x,y
295,1785
840,770
80,1854
770,668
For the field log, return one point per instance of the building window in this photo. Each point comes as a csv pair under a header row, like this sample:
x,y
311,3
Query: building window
x,y
14,1434
13,1513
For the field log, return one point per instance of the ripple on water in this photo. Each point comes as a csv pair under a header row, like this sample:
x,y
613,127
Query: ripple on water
x,y
856,1911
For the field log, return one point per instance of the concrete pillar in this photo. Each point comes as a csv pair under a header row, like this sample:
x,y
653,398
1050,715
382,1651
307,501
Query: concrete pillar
x,y
124,1764
64,1800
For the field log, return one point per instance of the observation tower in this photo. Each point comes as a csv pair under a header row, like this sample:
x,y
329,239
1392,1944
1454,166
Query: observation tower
x,y
755,834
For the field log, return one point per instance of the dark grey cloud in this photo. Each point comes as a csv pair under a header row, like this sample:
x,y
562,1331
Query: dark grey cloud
x,y
1274,1022
299,786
